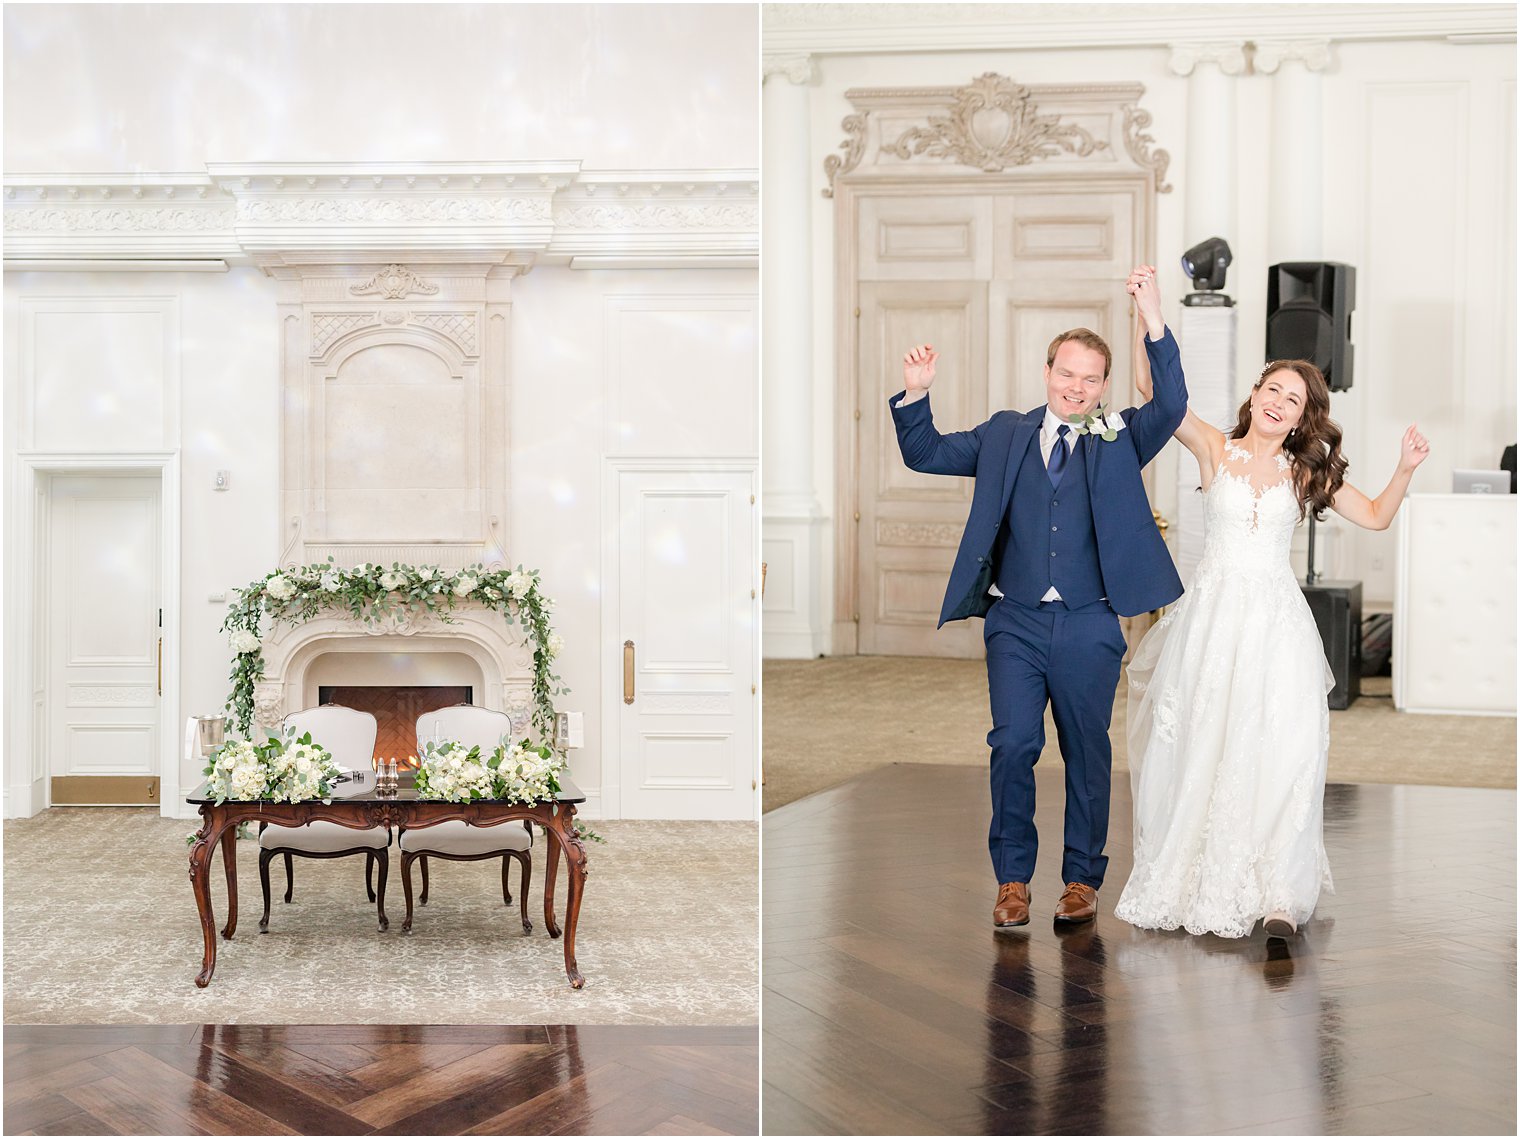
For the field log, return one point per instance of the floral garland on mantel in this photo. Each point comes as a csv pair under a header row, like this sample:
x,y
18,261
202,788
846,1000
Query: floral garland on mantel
x,y
374,594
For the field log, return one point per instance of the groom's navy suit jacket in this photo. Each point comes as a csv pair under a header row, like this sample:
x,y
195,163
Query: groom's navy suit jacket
x,y
1136,568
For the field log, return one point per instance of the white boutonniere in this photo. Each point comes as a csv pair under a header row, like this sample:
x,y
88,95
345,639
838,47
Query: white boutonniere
x,y
1104,424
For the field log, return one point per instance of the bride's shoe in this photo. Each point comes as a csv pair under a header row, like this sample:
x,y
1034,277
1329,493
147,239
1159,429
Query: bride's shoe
x,y
1279,924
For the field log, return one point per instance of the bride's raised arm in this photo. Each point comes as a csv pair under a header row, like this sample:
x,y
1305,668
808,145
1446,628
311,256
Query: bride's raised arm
x,y
1377,513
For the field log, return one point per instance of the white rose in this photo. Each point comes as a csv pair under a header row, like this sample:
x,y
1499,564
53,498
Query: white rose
x,y
389,580
280,587
556,645
464,585
243,641
518,584
331,580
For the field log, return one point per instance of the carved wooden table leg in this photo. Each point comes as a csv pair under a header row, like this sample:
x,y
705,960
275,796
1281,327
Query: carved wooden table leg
x,y
563,830
551,872
200,882
229,866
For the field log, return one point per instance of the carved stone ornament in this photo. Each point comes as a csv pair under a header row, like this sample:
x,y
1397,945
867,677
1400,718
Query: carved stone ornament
x,y
1138,144
268,707
995,125
393,283
854,146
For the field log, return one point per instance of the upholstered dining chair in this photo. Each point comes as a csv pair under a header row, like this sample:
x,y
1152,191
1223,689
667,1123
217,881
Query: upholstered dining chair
x,y
350,736
457,840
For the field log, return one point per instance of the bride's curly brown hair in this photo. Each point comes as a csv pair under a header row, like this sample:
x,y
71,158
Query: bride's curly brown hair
x,y
1314,445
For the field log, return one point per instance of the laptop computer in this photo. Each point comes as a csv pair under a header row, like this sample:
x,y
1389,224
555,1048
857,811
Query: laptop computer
x,y
1479,482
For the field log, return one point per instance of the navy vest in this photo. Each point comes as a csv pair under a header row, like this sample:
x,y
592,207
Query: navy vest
x,y
1048,536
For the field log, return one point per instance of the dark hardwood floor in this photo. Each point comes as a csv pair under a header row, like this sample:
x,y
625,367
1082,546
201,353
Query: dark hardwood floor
x,y
378,1079
890,1005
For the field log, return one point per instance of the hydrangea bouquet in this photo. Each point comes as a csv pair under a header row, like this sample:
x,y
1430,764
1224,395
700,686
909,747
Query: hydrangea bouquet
x,y
448,770
284,769
517,773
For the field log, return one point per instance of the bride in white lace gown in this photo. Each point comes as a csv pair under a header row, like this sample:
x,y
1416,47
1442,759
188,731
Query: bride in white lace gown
x,y
1229,731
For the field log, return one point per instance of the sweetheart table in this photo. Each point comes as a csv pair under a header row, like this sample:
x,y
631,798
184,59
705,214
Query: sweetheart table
x,y
360,809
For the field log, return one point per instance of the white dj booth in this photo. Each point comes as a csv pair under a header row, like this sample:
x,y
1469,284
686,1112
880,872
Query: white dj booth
x,y
1454,629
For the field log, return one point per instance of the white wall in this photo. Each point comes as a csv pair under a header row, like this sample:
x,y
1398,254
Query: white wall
x,y
170,87
1417,185
148,88
581,397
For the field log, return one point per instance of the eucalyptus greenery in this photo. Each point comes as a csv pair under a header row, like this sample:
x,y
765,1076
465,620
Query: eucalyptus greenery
x,y
374,594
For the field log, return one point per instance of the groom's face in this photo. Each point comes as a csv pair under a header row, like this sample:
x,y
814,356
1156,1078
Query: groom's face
x,y
1074,380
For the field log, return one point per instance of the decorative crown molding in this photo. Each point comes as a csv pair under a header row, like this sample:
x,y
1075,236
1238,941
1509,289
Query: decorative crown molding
x,y
531,211
1272,54
995,125
864,29
1230,56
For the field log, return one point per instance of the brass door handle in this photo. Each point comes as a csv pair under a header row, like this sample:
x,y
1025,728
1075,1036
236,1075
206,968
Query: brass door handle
x,y
627,672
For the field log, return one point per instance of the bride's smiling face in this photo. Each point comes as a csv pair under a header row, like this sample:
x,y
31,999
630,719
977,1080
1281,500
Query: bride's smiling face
x,y
1277,403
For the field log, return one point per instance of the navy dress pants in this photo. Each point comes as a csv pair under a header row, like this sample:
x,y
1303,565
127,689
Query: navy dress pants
x,y
1069,658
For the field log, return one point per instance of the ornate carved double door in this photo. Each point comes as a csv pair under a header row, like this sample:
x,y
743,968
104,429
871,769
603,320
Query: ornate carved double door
x,y
988,277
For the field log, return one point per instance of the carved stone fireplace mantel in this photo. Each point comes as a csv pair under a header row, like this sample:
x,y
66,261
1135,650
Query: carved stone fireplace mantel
x,y
503,658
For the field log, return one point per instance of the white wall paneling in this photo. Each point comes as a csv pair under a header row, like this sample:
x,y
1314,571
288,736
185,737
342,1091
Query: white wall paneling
x,y
99,373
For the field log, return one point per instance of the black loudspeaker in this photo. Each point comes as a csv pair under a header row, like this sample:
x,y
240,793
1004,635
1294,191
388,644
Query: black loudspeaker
x,y
1337,609
1309,307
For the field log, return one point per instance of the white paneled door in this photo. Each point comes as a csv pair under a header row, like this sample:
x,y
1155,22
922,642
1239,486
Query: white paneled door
x,y
103,638
687,648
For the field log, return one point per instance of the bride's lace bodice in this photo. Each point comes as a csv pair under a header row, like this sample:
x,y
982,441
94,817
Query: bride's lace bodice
x,y
1247,529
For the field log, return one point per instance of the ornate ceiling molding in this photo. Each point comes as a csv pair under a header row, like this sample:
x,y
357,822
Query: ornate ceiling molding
x,y
994,125
864,29
531,212
1230,56
1272,54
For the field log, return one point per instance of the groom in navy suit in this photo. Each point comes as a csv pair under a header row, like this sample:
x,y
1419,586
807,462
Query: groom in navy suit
x,y
1060,541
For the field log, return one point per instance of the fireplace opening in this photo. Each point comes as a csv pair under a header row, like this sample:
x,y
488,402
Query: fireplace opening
x,y
396,708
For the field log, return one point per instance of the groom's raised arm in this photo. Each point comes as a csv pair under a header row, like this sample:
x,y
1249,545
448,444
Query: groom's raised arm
x,y
1154,423
923,448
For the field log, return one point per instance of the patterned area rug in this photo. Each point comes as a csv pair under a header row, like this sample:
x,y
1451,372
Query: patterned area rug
x,y
101,928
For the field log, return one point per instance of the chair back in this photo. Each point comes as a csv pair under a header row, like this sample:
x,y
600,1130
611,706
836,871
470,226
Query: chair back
x,y
468,724
346,732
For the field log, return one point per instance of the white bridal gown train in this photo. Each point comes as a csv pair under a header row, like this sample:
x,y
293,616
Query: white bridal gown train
x,y
1229,730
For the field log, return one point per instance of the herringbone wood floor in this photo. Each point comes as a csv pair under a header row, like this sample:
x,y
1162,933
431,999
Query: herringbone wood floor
x,y
891,1006
377,1079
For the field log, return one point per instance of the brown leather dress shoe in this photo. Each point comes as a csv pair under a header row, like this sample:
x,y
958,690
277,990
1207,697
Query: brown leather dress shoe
x,y
1078,903
1012,904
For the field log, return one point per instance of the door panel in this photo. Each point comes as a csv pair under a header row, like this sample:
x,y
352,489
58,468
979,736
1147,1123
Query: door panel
x,y
687,578
103,638
926,237
910,523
